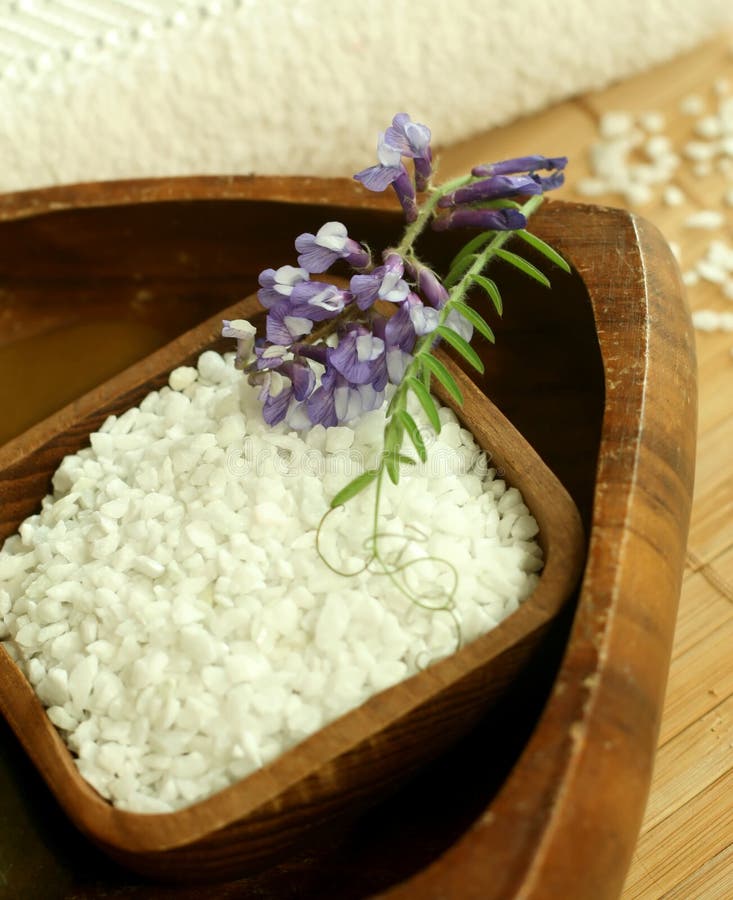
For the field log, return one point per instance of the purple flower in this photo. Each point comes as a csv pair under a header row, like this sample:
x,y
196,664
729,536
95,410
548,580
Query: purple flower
x,y
301,377
429,286
383,283
390,167
320,251
276,394
336,400
550,182
391,170
284,391
413,140
424,318
318,301
520,164
278,283
404,187
283,327
271,356
496,187
359,357
244,332
487,219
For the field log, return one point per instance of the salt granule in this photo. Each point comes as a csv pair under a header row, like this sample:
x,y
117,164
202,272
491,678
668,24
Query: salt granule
x,y
169,607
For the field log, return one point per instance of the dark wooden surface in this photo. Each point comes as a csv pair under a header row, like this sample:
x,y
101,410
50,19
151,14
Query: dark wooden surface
x,y
575,794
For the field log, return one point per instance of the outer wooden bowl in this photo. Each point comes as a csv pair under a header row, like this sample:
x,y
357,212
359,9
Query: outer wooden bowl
x,y
599,376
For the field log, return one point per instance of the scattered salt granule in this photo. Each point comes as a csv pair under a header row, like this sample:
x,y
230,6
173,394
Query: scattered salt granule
x,y
615,124
692,105
169,607
709,320
652,121
673,196
706,219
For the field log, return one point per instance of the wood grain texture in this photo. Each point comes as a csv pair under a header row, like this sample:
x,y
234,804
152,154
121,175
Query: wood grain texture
x,y
578,789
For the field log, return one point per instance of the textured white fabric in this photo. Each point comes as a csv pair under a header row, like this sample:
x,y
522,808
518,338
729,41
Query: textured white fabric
x,y
97,89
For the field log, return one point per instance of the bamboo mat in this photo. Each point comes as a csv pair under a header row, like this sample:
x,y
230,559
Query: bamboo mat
x,y
685,849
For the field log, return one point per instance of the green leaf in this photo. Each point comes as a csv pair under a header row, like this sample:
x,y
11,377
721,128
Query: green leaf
x,y
543,248
443,376
524,266
472,246
407,460
413,431
354,487
491,289
392,463
476,319
459,270
393,434
462,346
428,404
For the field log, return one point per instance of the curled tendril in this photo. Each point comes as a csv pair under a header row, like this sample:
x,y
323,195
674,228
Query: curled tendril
x,y
394,566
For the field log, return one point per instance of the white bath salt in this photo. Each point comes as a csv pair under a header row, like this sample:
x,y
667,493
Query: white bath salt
x,y
690,278
169,606
615,124
721,86
705,219
709,127
702,169
709,320
676,250
652,121
700,151
711,272
673,196
658,147
692,105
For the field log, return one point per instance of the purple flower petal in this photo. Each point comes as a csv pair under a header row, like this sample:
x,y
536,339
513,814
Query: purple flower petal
x,y
520,164
312,256
431,288
283,327
550,182
378,178
495,188
424,318
271,356
365,289
404,187
318,301
488,219
399,330
359,356
320,404
278,283
302,377
276,393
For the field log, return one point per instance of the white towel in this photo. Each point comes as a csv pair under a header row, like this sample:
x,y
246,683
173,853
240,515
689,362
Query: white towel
x,y
101,89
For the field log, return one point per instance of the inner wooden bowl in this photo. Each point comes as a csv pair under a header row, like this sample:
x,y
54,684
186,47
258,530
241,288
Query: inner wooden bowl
x,y
598,376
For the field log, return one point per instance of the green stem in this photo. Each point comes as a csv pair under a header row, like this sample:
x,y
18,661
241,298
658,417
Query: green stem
x,y
413,232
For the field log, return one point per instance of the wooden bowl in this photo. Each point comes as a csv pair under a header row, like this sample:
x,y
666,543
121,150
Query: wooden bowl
x,y
598,375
